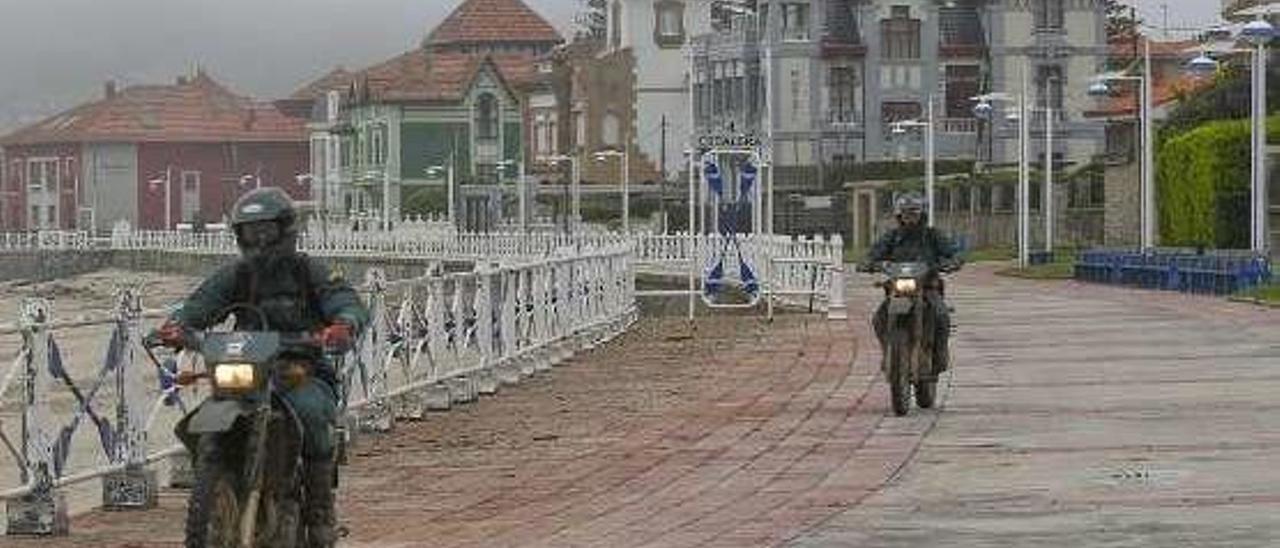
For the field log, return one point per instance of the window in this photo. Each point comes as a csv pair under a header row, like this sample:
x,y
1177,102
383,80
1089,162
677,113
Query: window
x,y
190,195
486,117
796,100
960,26
1050,85
964,198
1048,14
668,27
842,22
984,199
898,111
795,21
1008,196
610,130
43,182
961,84
900,35
842,84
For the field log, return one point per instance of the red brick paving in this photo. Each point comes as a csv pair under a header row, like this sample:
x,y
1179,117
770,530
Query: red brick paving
x,y
745,435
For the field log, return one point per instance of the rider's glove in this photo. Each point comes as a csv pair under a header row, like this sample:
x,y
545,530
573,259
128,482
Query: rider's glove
x,y
171,334
338,337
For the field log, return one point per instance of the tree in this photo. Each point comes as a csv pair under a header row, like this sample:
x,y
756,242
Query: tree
x,y
1122,20
593,20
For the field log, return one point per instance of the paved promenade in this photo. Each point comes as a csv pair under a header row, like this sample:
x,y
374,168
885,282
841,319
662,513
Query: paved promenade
x,y
1077,415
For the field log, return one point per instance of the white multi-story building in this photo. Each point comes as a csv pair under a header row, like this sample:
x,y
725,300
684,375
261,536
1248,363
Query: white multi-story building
x,y
842,71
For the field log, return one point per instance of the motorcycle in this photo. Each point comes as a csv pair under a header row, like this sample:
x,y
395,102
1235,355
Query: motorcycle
x,y
908,338
247,440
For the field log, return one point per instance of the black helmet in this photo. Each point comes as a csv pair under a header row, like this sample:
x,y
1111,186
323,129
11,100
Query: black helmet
x,y
265,222
910,202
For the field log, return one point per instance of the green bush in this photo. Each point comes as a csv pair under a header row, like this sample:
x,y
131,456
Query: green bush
x,y
1203,184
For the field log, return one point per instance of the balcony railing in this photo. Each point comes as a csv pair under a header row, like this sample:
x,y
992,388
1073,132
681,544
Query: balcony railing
x,y
958,125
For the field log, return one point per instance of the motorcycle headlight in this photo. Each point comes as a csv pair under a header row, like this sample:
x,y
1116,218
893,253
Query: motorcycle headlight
x,y
234,377
905,285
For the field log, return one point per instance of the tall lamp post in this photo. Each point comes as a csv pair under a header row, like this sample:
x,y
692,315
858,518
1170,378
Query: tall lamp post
x,y
985,110
522,190
626,180
1259,32
167,181
573,184
446,171
1100,88
930,176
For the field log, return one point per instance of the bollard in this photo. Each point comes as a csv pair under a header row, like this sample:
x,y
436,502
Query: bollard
x,y
837,308
486,382
134,488
42,512
509,372
436,397
462,389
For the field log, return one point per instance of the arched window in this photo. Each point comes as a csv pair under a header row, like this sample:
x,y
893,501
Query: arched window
x,y
486,117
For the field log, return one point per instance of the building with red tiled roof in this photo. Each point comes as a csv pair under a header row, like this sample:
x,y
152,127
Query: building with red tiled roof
x,y
460,97
476,24
94,165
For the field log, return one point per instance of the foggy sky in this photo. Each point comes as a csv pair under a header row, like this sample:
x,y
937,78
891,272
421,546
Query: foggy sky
x,y
57,53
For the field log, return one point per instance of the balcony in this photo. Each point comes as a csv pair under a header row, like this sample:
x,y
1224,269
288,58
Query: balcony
x,y
964,126
961,50
845,120
832,47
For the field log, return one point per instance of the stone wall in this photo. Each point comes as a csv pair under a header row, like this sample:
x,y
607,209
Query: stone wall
x,y
50,265
1123,217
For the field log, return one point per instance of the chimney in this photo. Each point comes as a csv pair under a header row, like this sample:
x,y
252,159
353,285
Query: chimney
x,y
109,89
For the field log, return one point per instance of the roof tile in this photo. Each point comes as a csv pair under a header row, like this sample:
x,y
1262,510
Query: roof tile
x,y
473,22
199,110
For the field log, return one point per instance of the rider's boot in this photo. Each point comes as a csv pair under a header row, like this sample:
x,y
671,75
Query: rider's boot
x,y
319,515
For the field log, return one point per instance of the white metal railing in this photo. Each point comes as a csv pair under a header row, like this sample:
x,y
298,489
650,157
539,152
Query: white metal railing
x,y
786,265
462,328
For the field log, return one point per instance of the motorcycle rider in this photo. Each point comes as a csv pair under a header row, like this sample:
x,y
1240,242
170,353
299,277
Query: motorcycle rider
x,y
296,294
914,241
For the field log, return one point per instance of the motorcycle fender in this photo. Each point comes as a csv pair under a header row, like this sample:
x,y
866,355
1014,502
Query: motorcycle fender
x,y
899,306
215,416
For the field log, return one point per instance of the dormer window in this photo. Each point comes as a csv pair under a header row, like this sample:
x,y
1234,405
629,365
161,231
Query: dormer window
x,y
668,28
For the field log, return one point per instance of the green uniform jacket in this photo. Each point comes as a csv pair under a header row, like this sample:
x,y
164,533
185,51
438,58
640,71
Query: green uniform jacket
x,y
295,293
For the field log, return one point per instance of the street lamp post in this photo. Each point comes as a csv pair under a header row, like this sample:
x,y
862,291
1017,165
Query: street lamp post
x,y
573,184
930,175
521,191
626,179
1147,166
167,181
985,110
450,184
1049,216
1259,32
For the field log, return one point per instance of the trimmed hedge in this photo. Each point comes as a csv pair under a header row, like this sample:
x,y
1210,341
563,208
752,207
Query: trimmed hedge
x,y
1203,185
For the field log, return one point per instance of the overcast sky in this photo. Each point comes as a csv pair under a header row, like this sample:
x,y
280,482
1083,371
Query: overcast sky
x,y
57,53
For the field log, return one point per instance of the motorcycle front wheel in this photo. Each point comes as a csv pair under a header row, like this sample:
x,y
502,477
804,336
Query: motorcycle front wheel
x,y
926,393
897,352
213,509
